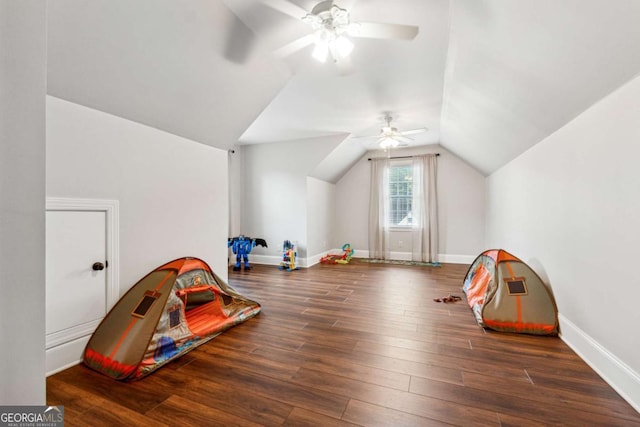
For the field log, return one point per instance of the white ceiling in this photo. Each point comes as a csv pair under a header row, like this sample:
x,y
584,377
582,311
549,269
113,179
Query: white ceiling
x,y
163,63
489,78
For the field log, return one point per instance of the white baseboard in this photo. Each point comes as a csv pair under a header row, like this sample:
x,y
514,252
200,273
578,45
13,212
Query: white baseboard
x,y
456,259
276,260
615,372
406,256
263,259
313,260
65,355
359,253
401,256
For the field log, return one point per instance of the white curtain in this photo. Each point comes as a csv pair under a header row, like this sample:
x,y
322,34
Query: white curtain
x,y
378,206
425,208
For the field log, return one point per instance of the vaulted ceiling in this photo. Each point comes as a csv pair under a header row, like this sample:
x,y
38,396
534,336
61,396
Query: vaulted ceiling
x,y
489,78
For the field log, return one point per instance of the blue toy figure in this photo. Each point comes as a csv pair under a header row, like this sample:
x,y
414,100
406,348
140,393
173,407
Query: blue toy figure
x,y
289,256
242,246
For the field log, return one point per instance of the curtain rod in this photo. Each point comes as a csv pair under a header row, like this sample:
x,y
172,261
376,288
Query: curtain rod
x,y
402,157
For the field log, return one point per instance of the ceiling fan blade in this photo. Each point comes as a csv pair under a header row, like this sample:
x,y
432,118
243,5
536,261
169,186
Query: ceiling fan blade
x,y
401,138
294,46
414,131
398,137
375,30
240,41
286,7
365,136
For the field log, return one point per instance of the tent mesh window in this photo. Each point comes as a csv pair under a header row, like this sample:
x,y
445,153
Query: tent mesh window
x,y
145,304
174,317
516,286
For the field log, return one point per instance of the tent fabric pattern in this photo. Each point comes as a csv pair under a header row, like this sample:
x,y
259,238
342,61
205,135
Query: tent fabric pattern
x,y
505,294
172,310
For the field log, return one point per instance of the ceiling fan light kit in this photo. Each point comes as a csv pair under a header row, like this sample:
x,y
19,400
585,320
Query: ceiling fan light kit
x,y
330,23
339,48
386,143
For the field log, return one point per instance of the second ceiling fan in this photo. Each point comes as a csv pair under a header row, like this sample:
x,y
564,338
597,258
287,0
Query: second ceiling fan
x,y
332,29
391,137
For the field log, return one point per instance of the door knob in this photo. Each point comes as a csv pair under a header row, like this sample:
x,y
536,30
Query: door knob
x,y
97,266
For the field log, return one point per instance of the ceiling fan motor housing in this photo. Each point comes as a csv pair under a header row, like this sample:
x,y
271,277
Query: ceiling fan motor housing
x,y
328,16
324,7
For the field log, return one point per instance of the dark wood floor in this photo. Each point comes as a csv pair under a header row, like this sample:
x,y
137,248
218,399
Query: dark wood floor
x,y
357,344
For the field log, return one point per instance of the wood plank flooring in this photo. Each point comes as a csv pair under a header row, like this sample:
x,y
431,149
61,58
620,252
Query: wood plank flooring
x,y
359,344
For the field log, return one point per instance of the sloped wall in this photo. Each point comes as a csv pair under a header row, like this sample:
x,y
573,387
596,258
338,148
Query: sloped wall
x,y
569,207
191,69
173,192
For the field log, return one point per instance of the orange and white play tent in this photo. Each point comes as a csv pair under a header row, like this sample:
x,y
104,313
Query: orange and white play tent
x,y
172,310
506,295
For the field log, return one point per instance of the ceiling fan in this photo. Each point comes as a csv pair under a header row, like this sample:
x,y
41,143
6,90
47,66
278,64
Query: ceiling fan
x,y
391,137
332,28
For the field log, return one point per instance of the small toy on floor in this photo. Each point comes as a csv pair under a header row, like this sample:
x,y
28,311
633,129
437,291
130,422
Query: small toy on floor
x,y
289,256
342,258
448,298
242,246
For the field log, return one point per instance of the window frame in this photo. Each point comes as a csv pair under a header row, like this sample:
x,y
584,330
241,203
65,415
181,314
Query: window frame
x,y
392,164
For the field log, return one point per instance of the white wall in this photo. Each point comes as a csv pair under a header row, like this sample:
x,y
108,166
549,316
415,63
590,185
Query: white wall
x,y
570,207
274,201
236,182
274,196
320,217
173,192
22,186
352,208
461,196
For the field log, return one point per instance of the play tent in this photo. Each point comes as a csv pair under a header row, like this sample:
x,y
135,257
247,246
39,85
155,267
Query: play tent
x,y
505,294
169,312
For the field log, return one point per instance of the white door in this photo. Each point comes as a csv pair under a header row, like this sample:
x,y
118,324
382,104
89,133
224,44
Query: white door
x,y
76,290
79,233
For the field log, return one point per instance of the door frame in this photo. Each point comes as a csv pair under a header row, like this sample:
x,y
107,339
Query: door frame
x,y
111,208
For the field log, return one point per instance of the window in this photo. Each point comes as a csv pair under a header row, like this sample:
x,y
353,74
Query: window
x,y
403,199
400,195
